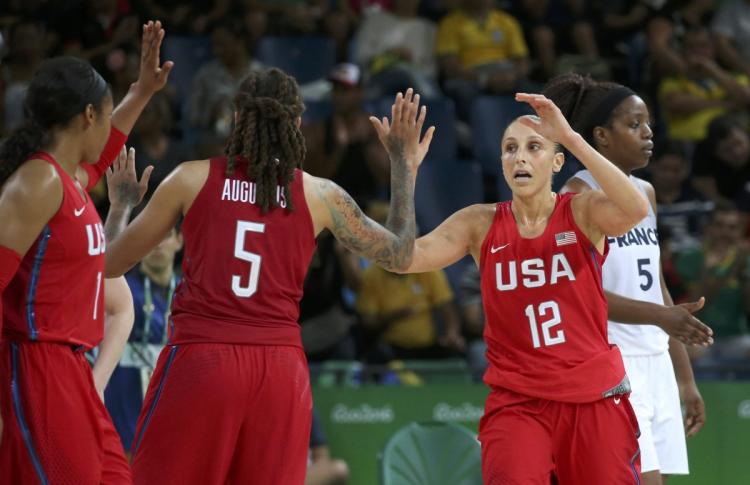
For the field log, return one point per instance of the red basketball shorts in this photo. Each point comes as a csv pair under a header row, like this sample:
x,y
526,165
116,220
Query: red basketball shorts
x,y
527,441
56,429
222,413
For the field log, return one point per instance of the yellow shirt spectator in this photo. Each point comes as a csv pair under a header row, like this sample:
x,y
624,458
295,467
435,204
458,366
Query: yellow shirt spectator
x,y
693,127
498,39
415,295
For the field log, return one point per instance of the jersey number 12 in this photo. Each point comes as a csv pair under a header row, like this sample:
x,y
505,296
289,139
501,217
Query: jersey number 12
x,y
554,319
243,227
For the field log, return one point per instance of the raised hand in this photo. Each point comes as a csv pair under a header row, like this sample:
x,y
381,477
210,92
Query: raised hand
x,y
550,122
153,75
401,134
123,186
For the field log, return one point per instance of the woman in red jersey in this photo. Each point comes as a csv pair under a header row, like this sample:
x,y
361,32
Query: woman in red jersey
x,y
52,243
229,401
558,402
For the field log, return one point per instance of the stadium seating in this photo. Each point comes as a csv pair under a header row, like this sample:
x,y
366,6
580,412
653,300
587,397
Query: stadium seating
x,y
432,453
188,55
306,58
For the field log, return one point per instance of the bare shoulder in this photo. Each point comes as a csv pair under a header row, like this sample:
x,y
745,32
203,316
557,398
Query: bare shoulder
x,y
191,171
35,184
183,184
476,221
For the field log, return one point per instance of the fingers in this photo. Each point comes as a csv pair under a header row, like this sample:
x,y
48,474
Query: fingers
x,y
694,306
397,108
158,38
694,423
407,114
530,122
130,162
165,70
145,176
421,118
427,138
121,160
379,128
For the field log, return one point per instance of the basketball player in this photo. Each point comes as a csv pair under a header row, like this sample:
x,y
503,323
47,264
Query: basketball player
x,y
56,429
616,122
229,401
558,402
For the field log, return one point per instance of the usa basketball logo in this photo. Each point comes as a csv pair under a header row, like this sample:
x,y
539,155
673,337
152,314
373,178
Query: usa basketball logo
x,y
564,238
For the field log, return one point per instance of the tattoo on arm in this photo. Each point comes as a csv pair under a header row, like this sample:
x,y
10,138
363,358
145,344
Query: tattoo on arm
x,y
117,221
391,246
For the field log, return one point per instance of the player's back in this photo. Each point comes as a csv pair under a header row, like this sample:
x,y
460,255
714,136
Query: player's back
x,y
243,269
546,311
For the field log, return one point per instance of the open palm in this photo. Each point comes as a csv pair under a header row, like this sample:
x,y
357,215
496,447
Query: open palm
x,y
551,123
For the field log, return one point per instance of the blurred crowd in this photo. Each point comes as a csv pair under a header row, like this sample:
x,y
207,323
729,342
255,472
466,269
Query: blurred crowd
x,y
689,59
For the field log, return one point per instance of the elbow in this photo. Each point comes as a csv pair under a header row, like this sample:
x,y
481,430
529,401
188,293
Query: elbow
x,y
640,210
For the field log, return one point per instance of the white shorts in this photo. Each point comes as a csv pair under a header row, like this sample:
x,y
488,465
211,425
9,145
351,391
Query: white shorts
x,y
656,401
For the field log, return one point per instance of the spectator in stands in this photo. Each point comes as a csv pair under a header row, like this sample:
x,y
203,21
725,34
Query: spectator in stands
x,y
480,49
555,27
666,29
402,312
398,51
325,317
680,208
182,17
152,284
335,145
720,271
154,141
707,91
323,470
97,29
210,105
25,52
730,27
721,163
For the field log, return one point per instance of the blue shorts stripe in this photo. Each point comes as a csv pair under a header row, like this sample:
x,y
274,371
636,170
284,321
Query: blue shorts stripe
x,y
152,408
18,409
31,294
632,467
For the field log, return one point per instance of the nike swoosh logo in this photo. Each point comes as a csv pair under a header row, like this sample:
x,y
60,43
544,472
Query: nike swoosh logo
x,y
78,212
616,400
494,249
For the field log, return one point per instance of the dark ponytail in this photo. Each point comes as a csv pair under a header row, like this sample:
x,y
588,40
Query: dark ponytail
x,y
268,104
584,102
60,90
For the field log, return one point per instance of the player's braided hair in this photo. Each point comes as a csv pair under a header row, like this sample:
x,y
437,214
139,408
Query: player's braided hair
x,y
268,104
579,97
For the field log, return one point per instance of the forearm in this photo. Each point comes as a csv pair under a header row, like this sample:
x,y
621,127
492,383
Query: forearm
x,y
615,184
117,220
629,311
116,333
130,108
401,215
681,362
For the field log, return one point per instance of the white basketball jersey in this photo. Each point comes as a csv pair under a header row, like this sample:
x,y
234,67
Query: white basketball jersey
x,y
632,270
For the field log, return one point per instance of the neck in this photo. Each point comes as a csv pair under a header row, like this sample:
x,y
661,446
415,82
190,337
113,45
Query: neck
x,y
66,150
533,210
160,276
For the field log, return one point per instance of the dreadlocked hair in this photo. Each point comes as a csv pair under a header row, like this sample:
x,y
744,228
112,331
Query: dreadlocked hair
x,y
268,104
578,97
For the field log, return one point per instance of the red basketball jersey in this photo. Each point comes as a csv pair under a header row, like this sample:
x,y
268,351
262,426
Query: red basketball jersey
x,y
57,294
546,313
243,270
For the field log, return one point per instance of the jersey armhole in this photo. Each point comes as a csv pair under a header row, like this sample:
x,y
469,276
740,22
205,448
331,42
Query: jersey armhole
x,y
485,241
579,232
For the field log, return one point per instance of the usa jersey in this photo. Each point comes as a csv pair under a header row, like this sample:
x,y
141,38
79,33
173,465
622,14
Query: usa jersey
x,y
243,270
546,314
632,270
57,294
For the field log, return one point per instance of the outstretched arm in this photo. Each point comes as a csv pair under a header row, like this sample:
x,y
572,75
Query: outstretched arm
x,y
332,208
125,192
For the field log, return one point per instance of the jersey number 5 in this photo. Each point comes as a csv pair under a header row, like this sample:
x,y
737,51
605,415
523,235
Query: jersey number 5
x,y
546,326
243,227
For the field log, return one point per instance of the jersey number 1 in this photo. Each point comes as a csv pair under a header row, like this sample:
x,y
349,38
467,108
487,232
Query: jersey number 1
x,y
243,227
549,339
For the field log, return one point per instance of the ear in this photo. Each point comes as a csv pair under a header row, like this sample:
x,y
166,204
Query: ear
x,y
89,116
601,137
557,162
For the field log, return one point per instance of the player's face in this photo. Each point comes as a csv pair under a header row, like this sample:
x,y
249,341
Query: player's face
x,y
627,141
528,160
98,132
